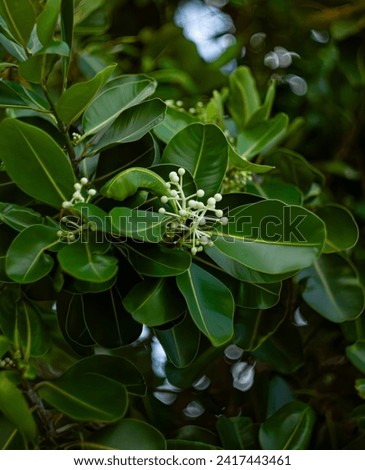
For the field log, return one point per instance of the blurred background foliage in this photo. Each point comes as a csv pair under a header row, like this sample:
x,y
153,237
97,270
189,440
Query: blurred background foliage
x,y
315,50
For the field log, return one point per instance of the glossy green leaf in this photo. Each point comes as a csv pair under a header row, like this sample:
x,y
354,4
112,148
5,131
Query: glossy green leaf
x,y
242,163
154,302
116,368
332,288
118,327
356,355
134,154
341,228
129,181
254,327
132,124
263,136
263,112
47,21
281,350
86,261
26,258
15,95
290,428
138,225
19,17
19,217
70,315
67,30
15,408
279,394
175,120
360,387
158,261
36,163
129,434
9,44
92,397
210,304
116,96
75,100
244,98
201,149
276,189
258,296
6,238
236,433
181,342
271,237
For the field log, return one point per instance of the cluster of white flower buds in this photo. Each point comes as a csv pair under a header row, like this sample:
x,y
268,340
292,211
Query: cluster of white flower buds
x,y
191,222
7,363
78,194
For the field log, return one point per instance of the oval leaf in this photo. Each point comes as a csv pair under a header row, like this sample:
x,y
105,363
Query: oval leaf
x,y
129,434
19,17
210,304
92,397
271,237
290,428
35,162
333,289
201,149
356,354
26,258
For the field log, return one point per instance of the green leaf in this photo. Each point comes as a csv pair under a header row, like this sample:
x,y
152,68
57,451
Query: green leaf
x,y
36,163
261,296
26,258
19,17
210,304
158,261
356,355
181,342
19,217
290,428
360,387
92,397
332,289
129,181
15,408
75,99
118,327
175,120
254,327
4,344
116,96
47,21
22,324
154,302
243,164
264,111
262,137
138,225
201,149
132,124
87,261
279,394
236,433
67,30
244,98
116,368
336,216
276,189
15,95
282,350
10,437
7,236
129,434
271,237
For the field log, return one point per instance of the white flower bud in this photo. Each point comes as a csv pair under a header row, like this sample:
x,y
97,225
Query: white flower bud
x,y
84,181
174,177
200,205
181,171
66,204
77,186
168,185
200,192
211,202
162,210
218,197
193,204
91,192
173,193
183,212
59,233
219,213
194,250
164,199
224,220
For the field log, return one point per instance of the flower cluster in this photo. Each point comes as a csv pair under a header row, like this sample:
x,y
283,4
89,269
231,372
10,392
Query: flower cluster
x,y
78,194
192,221
7,363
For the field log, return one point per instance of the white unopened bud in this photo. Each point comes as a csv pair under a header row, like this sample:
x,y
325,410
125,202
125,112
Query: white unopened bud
x,y
174,177
77,186
211,202
162,210
164,199
194,250
59,233
219,213
224,220
66,204
91,192
173,193
183,212
84,181
181,171
218,197
200,192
